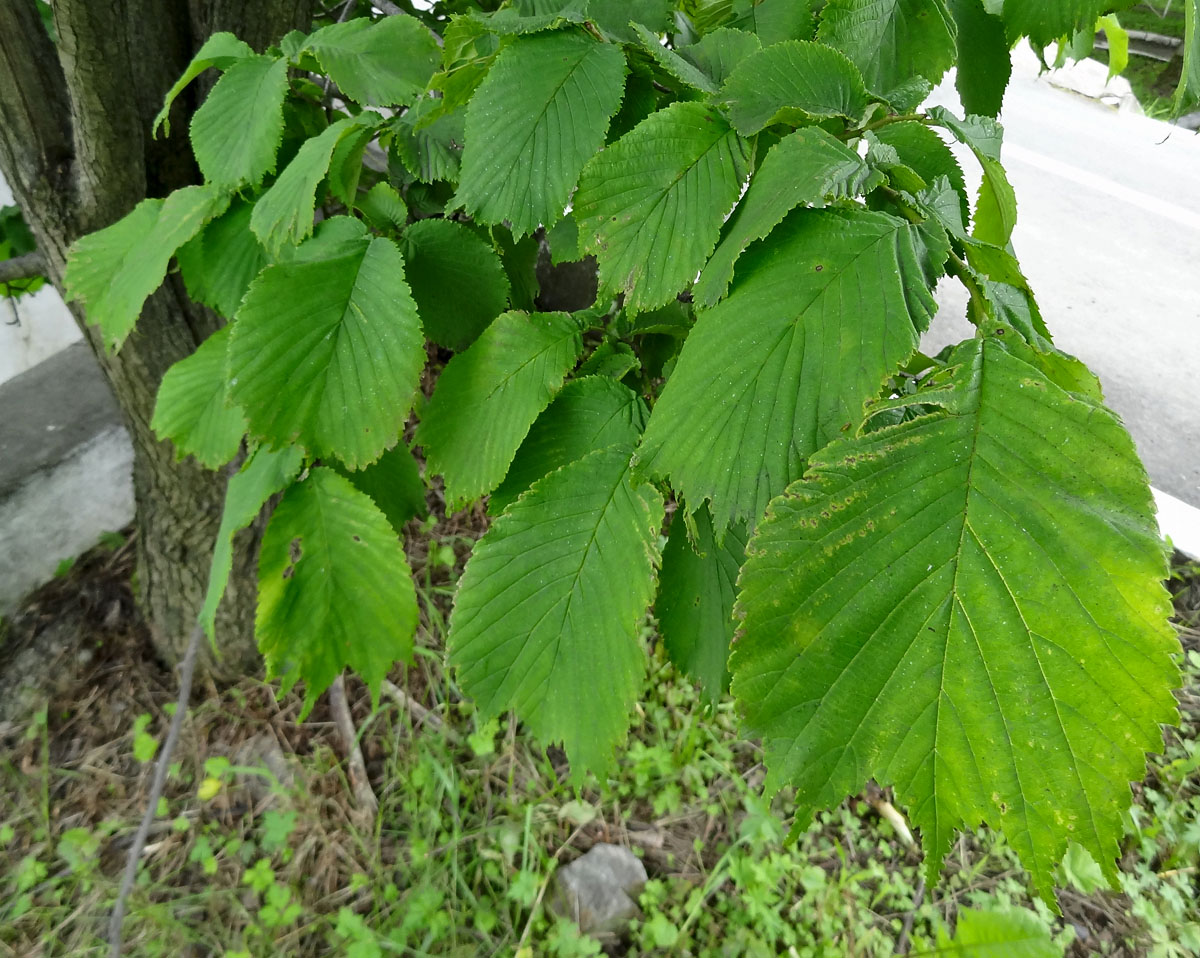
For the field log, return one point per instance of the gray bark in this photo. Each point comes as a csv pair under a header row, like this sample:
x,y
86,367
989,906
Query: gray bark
x,y
76,148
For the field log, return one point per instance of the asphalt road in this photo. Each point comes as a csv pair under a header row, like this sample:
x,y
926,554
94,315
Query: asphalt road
x,y
1108,233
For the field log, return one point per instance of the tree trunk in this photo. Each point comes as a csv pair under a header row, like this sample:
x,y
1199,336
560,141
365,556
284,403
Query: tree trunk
x,y
75,146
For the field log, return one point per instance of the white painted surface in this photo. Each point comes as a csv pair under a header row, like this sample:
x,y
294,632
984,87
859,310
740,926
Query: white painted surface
x,y
61,512
1179,522
32,328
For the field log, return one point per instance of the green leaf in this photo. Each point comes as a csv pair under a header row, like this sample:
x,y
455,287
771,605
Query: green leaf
x,y
996,206
283,216
1045,21
489,396
1188,90
384,207
219,263
334,588
1009,933
984,64
327,352
548,616
587,414
806,168
774,21
394,484
430,149
1117,38
457,280
967,606
891,41
718,54
650,206
670,61
264,474
237,130
533,123
821,312
695,600
920,148
614,17
191,409
793,82
115,270
221,50
387,62
534,16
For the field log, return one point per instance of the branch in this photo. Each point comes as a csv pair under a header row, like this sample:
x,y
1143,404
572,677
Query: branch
x,y
356,768
187,670
22,267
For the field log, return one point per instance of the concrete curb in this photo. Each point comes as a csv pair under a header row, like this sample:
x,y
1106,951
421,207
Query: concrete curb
x,y
1178,522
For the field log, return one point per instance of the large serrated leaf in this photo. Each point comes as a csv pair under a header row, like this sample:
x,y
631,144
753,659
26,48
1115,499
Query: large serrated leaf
x,y
548,615
821,312
327,352
587,414
694,605
394,484
793,82
614,16
334,588
457,279
682,70
383,63
238,127
191,409
774,21
219,263
891,41
984,63
489,396
1007,933
967,606
651,205
116,269
265,473
1045,21
806,168
283,215
537,118
718,54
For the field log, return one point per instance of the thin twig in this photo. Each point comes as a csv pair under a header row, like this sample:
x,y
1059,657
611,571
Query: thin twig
x,y
418,711
364,796
22,267
187,670
902,941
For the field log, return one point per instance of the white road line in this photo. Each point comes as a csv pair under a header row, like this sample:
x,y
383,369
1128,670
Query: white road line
x,y
1144,201
1178,521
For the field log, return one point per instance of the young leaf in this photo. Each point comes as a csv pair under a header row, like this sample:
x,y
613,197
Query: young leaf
x,y
394,484
384,207
695,600
283,216
984,63
966,606
221,50
670,61
588,414
921,149
327,352
116,269
265,473
548,615
891,41
387,62
457,280
821,312
718,54
429,148
238,127
793,82
533,123
489,396
996,207
806,168
1013,933
219,263
334,588
650,206
191,409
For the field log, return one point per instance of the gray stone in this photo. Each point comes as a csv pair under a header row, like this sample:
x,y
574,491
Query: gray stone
x,y
599,890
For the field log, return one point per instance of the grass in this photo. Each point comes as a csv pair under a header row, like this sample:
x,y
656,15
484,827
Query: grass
x,y
259,850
